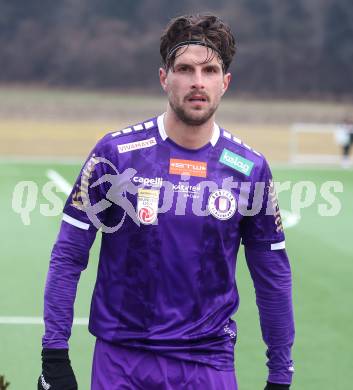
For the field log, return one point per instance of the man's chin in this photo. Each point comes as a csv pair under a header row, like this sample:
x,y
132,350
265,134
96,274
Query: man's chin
x,y
195,118
195,121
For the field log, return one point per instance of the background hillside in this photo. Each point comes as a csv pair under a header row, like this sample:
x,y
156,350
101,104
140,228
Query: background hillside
x,y
285,48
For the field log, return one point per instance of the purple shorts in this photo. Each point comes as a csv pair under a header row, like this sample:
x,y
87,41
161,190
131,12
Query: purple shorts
x,y
119,368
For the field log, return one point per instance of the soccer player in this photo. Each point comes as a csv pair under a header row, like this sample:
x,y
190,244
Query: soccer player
x,y
344,137
173,197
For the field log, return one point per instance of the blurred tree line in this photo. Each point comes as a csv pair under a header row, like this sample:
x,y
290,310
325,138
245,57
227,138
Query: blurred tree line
x,y
285,47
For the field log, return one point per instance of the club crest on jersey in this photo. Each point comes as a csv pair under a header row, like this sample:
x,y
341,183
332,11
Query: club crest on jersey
x,y
147,205
222,204
187,167
236,162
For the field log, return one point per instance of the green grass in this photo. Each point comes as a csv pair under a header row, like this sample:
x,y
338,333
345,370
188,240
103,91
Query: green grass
x,y
320,249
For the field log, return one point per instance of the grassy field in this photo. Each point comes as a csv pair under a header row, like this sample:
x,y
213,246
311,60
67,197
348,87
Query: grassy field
x,y
320,248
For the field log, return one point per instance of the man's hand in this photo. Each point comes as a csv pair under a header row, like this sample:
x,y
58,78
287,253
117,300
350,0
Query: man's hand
x,y
57,373
276,386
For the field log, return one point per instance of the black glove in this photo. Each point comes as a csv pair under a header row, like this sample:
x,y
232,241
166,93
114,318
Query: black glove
x,y
276,386
57,373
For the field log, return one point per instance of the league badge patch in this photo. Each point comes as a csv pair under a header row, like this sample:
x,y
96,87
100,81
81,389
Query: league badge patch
x,y
147,205
222,204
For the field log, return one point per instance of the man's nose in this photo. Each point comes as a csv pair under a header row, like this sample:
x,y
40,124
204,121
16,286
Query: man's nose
x,y
198,80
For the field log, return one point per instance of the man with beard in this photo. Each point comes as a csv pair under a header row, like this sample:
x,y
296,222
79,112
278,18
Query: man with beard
x,y
169,195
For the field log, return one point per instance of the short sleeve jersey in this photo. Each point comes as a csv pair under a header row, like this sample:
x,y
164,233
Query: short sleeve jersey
x,y
172,220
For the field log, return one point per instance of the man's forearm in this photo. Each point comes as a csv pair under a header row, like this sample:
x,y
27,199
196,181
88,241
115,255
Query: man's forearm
x,y
69,257
276,318
273,285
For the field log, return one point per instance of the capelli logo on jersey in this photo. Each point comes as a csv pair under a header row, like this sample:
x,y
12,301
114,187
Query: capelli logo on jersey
x,y
187,167
145,181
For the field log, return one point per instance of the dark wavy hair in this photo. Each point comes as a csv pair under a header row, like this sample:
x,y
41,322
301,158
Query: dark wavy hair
x,y
207,28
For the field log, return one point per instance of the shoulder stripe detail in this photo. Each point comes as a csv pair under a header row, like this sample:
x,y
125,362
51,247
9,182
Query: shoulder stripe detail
x,y
231,137
237,140
148,125
138,127
75,222
227,135
278,245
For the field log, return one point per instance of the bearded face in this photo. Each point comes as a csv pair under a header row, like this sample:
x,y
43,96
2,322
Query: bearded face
x,y
195,86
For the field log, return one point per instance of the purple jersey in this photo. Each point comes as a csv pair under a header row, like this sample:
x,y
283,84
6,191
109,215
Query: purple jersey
x,y
172,220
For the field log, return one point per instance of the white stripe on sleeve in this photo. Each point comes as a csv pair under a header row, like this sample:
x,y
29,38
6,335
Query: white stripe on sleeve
x,y
75,222
278,245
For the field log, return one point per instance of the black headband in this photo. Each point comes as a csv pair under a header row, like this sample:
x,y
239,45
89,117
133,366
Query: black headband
x,y
190,42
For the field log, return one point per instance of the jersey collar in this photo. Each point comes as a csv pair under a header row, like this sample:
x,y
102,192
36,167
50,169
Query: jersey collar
x,y
164,136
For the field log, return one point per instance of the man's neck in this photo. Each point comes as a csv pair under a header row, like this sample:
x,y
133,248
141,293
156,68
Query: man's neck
x,y
187,136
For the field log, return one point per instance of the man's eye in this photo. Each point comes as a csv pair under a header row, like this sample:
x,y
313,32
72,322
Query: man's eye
x,y
211,70
183,69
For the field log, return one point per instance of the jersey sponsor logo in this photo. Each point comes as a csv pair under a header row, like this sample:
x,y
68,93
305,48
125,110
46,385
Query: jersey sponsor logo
x,y
155,182
80,193
147,205
222,204
147,143
189,191
272,196
187,167
236,162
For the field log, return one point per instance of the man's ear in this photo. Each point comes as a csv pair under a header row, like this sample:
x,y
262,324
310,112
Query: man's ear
x,y
163,78
226,81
